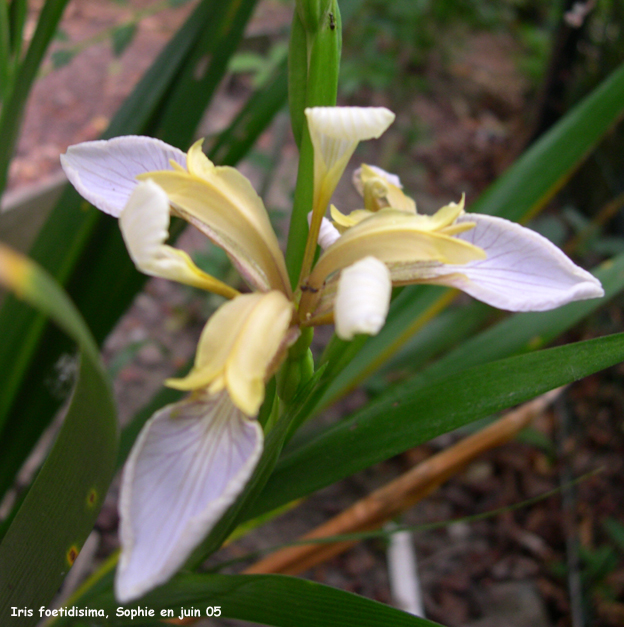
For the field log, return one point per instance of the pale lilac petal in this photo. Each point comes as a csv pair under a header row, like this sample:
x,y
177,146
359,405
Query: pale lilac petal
x,y
190,462
523,270
104,171
363,298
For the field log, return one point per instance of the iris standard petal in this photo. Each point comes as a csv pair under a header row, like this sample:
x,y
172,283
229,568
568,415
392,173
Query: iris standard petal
x,y
362,299
104,171
222,204
335,134
239,347
523,271
190,462
144,224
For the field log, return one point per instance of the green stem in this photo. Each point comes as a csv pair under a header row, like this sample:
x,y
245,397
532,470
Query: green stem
x,y
322,42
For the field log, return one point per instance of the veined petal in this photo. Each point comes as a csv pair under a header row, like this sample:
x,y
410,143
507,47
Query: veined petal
x,y
523,271
394,237
190,462
222,204
335,133
144,224
363,298
104,171
239,348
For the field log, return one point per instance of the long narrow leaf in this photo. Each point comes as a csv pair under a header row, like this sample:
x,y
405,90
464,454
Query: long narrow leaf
x,y
406,417
13,111
268,599
58,513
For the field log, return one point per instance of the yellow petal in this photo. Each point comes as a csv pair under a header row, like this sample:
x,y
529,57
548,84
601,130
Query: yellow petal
x,y
344,222
238,348
221,203
394,237
381,189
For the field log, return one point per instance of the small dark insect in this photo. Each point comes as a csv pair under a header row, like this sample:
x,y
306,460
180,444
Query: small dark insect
x,y
307,288
332,23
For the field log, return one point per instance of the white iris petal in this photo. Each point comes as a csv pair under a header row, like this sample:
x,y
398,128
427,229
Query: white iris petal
x,y
144,225
362,299
190,462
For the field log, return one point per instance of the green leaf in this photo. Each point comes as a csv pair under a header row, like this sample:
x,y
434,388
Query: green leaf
x,y
18,11
202,72
406,416
546,166
268,599
12,111
122,37
234,142
58,512
5,51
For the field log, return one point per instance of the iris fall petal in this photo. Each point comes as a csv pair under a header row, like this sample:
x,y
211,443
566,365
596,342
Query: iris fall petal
x,y
189,464
523,271
104,171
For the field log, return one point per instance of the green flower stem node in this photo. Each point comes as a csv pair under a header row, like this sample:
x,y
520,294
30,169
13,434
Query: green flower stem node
x,y
298,368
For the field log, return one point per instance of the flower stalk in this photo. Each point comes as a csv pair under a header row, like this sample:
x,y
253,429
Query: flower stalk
x,y
313,65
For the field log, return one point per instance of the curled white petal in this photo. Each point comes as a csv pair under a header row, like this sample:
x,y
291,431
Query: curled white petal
x,y
523,271
352,124
144,224
328,233
362,299
189,464
335,133
104,171
393,179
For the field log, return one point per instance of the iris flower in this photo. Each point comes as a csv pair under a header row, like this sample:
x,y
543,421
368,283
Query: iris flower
x,y
388,243
193,458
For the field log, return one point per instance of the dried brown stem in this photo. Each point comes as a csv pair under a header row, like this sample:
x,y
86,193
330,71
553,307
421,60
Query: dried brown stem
x,y
399,495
